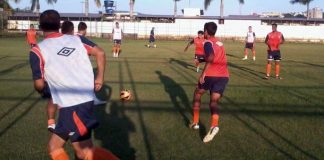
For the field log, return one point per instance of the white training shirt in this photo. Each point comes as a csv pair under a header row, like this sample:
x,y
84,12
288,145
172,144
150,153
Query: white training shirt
x,y
117,33
67,70
250,37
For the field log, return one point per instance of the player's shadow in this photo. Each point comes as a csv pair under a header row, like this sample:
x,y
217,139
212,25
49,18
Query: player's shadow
x,y
114,128
177,95
181,63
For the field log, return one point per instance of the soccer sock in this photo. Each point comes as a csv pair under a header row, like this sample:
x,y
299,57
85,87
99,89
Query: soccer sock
x,y
277,69
50,121
254,53
268,69
59,154
245,53
117,51
100,154
195,114
214,120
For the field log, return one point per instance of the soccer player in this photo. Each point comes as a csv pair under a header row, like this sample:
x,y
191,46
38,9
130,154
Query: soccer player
x,y
199,51
152,39
62,60
31,36
214,78
274,39
82,29
117,37
249,43
67,28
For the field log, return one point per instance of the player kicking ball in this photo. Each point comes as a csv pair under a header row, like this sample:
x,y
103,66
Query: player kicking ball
x,y
199,49
214,78
62,61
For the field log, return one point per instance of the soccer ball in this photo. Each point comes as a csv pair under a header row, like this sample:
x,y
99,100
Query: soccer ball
x,y
154,45
125,95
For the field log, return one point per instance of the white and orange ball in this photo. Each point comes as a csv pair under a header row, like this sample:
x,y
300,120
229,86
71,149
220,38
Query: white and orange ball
x,y
125,95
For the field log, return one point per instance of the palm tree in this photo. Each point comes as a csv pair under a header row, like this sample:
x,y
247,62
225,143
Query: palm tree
x,y
35,5
175,7
131,8
207,3
303,2
86,6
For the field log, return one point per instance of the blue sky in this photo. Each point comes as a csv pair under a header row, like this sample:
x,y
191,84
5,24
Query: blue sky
x,y
166,6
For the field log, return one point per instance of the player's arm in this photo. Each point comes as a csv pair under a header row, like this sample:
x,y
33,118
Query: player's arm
x,y
209,57
36,66
188,45
282,39
254,37
100,56
113,31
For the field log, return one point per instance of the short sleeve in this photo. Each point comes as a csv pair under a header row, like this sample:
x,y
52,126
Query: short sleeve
x,y
36,65
208,48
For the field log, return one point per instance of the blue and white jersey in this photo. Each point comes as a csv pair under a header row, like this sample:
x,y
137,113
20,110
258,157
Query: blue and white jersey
x,y
63,61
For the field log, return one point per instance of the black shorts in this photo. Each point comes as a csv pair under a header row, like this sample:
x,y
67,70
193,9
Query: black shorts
x,y
76,122
274,55
214,84
152,39
249,45
117,41
200,58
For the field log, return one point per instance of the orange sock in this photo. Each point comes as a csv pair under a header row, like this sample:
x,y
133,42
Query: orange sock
x,y
268,69
214,120
277,69
100,154
50,121
59,154
195,115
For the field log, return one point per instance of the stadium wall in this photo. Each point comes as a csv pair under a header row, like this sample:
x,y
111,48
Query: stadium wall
x,y
185,28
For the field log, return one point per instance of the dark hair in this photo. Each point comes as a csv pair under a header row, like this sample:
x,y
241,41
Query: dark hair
x,y
211,28
200,32
274,24
67,27
49,20
82,26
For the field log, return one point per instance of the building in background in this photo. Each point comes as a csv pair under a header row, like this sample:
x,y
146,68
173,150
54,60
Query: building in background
x,y
316,13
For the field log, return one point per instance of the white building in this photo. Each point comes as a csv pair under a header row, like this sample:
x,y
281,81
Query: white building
x,y
316,13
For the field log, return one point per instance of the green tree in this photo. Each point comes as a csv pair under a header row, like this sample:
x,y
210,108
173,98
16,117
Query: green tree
x,y
207,3
86,3
303,2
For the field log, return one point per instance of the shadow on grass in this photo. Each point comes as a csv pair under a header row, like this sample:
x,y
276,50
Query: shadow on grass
x,y
114,128
176,92
13,68
181,63
272,131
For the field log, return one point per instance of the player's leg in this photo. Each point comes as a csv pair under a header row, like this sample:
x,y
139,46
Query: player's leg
x,y
118,49
253,53
114,48
196,107
214,110
268,66
277,63
245,54
51,110
55,148
85,150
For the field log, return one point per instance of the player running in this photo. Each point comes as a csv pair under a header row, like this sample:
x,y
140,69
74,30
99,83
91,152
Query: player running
x,y
274,39
199,50
62,60
250,43
117,38
214,78
31,36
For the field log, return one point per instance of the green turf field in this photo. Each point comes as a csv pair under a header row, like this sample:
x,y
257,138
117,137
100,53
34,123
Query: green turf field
x,y
260,119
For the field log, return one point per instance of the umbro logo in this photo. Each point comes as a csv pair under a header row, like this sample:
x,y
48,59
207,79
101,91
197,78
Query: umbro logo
x,y
66,51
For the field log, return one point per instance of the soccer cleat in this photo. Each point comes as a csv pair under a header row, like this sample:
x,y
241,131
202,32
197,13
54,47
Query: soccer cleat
x,y
97,101
253,58
51,127
194,126
197,69
245,58
279,78
211,133
266,77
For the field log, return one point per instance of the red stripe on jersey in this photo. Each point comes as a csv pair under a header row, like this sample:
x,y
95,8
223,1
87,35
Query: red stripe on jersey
x,y
88,48
54,35
80,126
36,50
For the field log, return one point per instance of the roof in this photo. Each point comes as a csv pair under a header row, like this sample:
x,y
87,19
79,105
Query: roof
x,y
64,15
